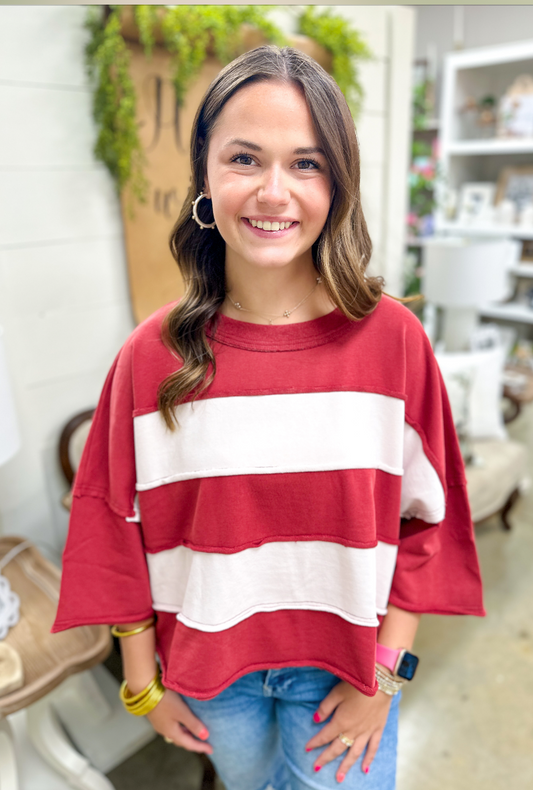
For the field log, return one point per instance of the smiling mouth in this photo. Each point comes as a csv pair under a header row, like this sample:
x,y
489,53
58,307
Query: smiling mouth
x,y
268,225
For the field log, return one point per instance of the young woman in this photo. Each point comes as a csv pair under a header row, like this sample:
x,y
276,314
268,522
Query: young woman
x,y
272,468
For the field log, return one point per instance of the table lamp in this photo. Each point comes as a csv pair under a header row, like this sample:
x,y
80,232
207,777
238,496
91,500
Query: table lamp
x,y
462,275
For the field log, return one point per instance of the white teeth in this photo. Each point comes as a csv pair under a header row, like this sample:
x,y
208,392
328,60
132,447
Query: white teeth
x,y
271,226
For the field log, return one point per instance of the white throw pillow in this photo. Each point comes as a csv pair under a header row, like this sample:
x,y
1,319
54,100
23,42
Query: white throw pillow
x,y
478,376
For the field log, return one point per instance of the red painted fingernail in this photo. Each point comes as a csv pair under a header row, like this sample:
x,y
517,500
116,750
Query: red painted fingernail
x,y
318,767
203,734
366,769
308,749
341,777
316,717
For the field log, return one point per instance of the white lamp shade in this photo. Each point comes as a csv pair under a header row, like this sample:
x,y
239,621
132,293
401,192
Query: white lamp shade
x,y
461,272
9,434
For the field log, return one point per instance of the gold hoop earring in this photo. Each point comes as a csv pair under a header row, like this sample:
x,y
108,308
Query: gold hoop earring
x,y
195,216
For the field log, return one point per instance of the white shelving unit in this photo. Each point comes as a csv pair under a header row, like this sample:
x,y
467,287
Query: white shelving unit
x,y
477,73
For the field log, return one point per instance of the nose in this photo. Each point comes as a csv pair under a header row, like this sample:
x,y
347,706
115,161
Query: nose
x,y
273,189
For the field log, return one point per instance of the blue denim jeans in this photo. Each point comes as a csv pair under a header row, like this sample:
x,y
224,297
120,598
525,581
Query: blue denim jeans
x,y
259,727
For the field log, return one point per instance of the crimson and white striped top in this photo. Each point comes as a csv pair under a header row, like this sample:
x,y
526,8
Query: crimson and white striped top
x,y
317,479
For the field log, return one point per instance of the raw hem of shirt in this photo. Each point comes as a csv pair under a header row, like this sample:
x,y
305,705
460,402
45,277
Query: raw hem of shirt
x,y
311,606
451,610
189,544
181,688
265,608
107,619
259,470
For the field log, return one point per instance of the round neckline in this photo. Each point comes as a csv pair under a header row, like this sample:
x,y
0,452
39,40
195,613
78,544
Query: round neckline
x,y
278,337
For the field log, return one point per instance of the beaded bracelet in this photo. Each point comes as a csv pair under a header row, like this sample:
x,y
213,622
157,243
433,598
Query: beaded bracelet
x,y
145,701
390,685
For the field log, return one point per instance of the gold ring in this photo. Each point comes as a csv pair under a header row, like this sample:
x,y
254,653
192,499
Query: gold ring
x,y
168,740
346,741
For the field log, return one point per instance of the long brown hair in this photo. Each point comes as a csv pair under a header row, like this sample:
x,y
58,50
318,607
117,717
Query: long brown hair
x,y
340,254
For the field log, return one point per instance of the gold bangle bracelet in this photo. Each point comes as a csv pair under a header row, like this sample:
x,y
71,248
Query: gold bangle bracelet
x,y
132,699
115,631
145,701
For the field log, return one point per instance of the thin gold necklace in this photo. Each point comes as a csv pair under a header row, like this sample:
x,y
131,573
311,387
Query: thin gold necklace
x,y
271,317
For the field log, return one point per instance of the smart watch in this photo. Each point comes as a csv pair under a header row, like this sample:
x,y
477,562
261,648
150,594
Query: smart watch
x,y
401,663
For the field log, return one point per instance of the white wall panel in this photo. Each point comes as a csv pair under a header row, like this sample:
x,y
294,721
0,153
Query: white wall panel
x,y
77,274
371,131
373,76
46,126
43,45
371,22
65,343
64,300
45,205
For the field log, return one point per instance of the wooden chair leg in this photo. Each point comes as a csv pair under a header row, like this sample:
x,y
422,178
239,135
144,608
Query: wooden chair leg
x,y
507,508
208,781
8,764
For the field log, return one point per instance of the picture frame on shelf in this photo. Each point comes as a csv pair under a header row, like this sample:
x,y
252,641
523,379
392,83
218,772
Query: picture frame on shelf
x,y
476,201
515,184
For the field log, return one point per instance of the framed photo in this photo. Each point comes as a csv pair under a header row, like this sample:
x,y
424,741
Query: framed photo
x,y
475,201
516,184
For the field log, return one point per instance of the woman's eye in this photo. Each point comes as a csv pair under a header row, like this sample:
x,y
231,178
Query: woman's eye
x,y
243,159
307,164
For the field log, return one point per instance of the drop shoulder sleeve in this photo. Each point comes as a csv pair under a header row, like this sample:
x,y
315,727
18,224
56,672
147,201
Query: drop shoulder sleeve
x,y
437,568
105,577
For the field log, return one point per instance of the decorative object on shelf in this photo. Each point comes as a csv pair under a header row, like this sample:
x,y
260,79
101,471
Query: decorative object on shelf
x,y
516,184
515,111
524,293
462,275
525,218
527,251
505,212
479,117
450,202
476,203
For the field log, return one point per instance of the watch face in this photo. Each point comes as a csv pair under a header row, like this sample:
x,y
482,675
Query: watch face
x,y
408,666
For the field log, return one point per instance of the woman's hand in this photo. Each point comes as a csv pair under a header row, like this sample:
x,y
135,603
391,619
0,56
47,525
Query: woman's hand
x,y
358,717
173,719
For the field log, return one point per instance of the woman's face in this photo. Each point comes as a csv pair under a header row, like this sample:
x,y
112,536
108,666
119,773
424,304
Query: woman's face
x,y
265,168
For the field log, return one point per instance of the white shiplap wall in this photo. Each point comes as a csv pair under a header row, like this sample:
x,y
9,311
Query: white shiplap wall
x,y
64,300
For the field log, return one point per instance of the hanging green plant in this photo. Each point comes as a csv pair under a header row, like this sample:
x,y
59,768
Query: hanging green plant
x,y
189,32
346,45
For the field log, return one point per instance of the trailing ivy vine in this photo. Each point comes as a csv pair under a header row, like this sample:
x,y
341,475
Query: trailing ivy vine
x,y
346,45
189,33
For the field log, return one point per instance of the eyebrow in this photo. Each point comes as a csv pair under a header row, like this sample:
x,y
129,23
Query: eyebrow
x,y
255,147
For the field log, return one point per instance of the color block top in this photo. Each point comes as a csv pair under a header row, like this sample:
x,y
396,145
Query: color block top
x,y
317,479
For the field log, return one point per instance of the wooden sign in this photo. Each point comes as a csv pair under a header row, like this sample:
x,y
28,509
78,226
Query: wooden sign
x,y
164,130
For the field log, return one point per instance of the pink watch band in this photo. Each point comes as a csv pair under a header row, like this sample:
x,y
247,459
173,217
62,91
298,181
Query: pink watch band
x,y
387,656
